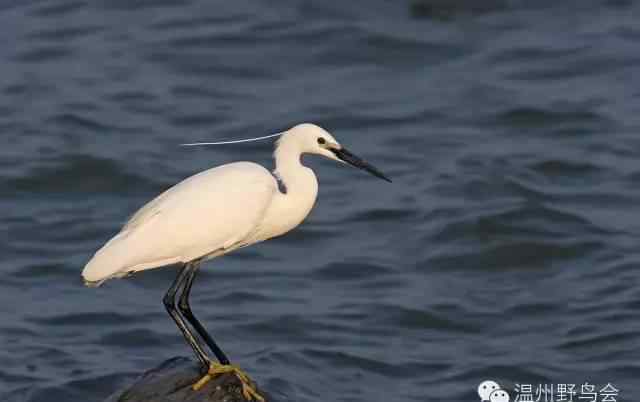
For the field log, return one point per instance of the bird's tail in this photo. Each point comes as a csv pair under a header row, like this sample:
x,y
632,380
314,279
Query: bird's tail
x,y
106,263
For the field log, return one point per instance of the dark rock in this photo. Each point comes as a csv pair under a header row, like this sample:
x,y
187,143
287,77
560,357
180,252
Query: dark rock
x,y
172,381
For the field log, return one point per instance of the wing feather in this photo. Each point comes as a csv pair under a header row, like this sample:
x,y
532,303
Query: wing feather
x,y
204,215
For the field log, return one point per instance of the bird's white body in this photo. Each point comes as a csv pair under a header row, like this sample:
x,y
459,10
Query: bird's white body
x,y
216,211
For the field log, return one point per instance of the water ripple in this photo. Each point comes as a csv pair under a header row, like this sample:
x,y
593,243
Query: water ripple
x,y
505,248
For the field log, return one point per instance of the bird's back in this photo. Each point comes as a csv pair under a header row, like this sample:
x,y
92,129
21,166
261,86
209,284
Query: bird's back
x,y
210,212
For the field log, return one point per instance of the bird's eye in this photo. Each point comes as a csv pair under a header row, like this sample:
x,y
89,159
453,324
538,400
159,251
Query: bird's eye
x,y
321,141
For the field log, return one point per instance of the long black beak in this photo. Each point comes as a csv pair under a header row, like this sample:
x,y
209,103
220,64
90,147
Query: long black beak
x,y
354,161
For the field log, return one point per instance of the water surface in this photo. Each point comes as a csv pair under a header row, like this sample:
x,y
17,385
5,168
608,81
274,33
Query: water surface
x,y
505,249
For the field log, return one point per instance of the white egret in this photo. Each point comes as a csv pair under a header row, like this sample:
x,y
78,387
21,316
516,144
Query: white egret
x,y
213,213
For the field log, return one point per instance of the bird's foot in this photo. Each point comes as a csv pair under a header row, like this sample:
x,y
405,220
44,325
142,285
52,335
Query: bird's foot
x,y
216,369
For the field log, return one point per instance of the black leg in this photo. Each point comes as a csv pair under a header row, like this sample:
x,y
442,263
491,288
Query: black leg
x,y
169,301
185,309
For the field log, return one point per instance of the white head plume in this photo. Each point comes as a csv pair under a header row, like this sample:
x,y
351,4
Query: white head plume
x,y
232,141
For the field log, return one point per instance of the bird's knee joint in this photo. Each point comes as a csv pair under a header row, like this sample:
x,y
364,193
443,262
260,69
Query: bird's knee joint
x,y
168,302
184,307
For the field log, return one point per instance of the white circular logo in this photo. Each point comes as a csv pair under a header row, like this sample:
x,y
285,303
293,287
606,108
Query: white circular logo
x,y
499,395
486,388
490,391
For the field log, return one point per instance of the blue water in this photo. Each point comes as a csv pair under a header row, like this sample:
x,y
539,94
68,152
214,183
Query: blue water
x,y
506,248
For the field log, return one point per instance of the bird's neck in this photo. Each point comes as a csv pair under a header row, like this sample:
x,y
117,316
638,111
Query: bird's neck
x,y
299,181
298,191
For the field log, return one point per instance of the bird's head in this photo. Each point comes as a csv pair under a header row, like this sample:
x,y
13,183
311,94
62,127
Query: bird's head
x,y
313,139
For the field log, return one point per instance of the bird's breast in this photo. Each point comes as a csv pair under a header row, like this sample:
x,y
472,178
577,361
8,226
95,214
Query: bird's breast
x,y
286,211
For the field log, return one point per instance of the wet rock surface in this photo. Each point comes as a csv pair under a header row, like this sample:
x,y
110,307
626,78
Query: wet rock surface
x,y
171,381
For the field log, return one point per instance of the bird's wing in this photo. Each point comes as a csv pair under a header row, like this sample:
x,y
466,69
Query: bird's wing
x,y
206,213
